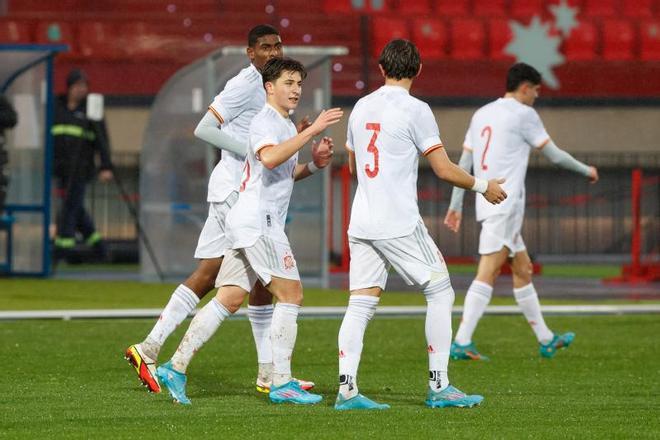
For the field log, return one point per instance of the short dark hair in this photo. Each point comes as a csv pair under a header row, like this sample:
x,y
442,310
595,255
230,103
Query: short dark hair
x,y
400,59
520,73
275,66
260,31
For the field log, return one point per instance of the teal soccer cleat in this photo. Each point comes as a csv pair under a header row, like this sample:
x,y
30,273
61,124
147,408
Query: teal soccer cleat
x,y
558,341
466,352
292,393
451,396
358,402
174,381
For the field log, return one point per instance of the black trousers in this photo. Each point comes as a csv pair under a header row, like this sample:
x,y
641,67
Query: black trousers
x,y
73,217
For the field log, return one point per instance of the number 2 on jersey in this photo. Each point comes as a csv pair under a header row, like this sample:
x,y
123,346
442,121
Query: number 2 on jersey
x,y
489,132
373,172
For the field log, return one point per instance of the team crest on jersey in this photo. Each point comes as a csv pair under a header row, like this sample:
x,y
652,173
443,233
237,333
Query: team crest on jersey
x,y
289,261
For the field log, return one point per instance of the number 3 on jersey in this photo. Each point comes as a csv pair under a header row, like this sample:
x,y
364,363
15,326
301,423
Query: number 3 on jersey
x,y
373,172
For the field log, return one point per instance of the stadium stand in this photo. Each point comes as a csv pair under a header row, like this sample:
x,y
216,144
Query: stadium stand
x,y
12,31
429,34
600,8
386,28
452,8
582,42
499,36
490,8
467,38
526,9
618,40
650,40
171,33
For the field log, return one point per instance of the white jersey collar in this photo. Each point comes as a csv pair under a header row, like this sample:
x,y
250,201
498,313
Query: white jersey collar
x,y
395,88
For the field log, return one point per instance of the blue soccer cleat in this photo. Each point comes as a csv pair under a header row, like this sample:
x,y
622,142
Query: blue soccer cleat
x,y
466,352
292,393
174,381
358,402
451,396
558,341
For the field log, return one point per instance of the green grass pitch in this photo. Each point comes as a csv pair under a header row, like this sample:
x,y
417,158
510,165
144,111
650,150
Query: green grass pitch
x,y
68,379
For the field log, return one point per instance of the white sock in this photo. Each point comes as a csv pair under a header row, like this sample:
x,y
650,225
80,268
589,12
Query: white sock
x,y
477,299
260,320
439,299
361,309
528,300
283,333
202,327
182,302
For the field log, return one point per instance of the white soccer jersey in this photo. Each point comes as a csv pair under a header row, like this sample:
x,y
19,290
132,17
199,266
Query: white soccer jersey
x,y
501,136
235,107
264,194
387,130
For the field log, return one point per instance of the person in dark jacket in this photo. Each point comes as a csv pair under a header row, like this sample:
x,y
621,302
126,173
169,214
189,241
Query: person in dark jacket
x,y
7,120
77,141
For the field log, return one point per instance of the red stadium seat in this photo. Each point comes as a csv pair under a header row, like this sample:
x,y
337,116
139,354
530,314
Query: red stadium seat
x,y
638,8
56,32
650,40
490,8
452,8
99,40
385,29
618,40
600,8
414,7
526,9
467,38
499,36
430,36
12,31
582,42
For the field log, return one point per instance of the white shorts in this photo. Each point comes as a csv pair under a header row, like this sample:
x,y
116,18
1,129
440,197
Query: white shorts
x,y
415,257
263,260
501,231
212,241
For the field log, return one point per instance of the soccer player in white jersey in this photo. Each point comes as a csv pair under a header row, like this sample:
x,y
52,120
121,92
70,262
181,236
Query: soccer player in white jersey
x,y
225,126
498,142
387,131
260,249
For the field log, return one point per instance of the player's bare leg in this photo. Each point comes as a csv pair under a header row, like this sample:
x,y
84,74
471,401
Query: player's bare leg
x,y
528,301
184,299
284,329
476,300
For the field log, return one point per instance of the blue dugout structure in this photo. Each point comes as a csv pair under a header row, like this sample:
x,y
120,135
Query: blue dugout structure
x,y
26,78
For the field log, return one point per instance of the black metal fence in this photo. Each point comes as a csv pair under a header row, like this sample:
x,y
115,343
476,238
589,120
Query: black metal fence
x,y
565,215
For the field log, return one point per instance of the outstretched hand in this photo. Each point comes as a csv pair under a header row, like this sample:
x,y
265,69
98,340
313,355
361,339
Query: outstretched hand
x,y
322,152
326,119
593,175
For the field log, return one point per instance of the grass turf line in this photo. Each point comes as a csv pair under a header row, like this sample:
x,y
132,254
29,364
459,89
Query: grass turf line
x,y
68,379
28,294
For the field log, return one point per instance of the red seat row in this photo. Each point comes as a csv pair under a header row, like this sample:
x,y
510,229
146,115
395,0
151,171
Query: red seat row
x,y
474,39
496,8
138,40
460,38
